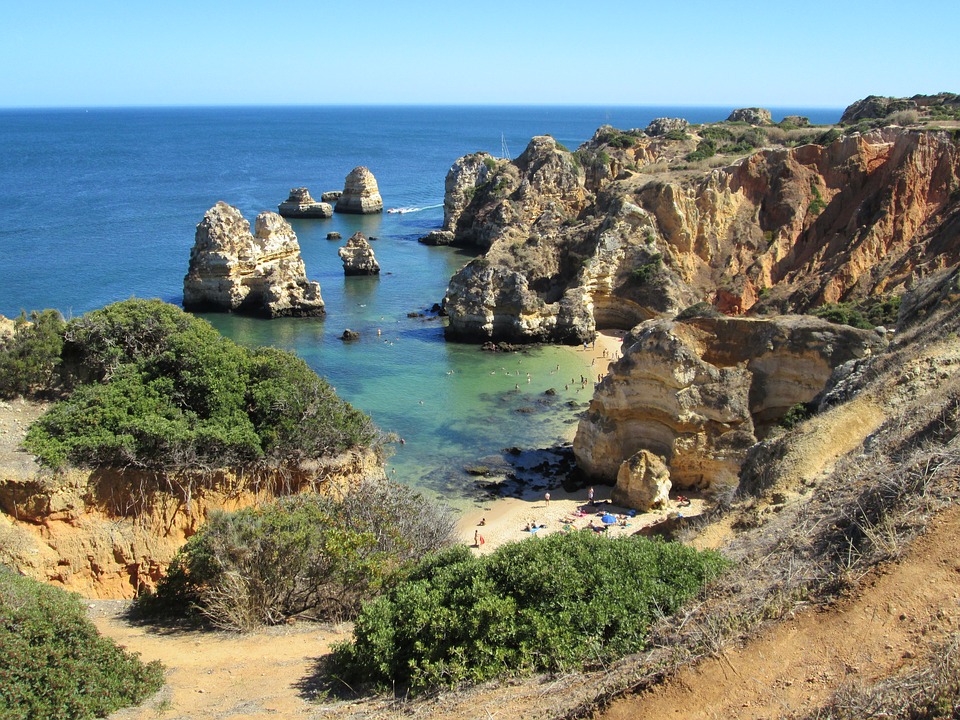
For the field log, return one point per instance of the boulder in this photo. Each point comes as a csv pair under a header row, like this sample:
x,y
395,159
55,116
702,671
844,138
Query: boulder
x,y
357,257
301,205
753,115
437,238
260,273
360,194
331,196
350,335
662,126
643,482
333,236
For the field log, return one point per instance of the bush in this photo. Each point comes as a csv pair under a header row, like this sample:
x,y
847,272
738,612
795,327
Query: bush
x,y
699,310
561,602
30,358
159,389
797,414
53,662
647,271
302,555
843,314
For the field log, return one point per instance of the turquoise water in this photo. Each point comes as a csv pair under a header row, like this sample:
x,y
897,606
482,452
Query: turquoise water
x,y
101,205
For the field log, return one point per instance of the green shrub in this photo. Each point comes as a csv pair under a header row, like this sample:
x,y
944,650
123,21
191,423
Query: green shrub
x,y
677,134
706,148
648,270
699,310
796,415
553,604
54,665
30,358
622,141
843,314
828,136
301,555
818,204
490,163
159,389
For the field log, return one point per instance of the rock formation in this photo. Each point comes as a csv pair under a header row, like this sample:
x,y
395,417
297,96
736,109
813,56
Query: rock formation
x,y
357,257
301,205
753,116
259,274
111,533
643,482
875,107
578,241
701,392
331,196
662,126
360,194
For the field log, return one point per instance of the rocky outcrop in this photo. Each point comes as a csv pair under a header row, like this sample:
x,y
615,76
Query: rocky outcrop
x,y
699,393
260,274
876,107
662,126
360,196
783,229
112,533
752,116
301,205
331,196
643,482
357,257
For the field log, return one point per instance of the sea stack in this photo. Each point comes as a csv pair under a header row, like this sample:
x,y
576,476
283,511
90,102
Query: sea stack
x,y
360,196
262,274
357,256
301,205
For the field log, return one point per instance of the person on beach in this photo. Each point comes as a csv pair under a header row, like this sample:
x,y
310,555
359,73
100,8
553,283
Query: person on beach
x,y
590,496
546,496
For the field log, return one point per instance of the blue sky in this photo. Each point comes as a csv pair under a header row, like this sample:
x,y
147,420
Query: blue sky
x,y
605,52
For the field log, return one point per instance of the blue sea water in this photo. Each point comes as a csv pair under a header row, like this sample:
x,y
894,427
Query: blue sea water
x,y
100,205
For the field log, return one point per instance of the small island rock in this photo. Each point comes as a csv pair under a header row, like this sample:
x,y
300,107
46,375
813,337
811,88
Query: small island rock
x,y
753,116
331,196
334,236
357,256
361,196
301,205
232,270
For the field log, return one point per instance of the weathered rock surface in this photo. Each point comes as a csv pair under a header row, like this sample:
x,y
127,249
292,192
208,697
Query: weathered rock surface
x,y
357,257
360,196
112,533
781,229
643,482
753,115
699,393
664,125
301,205
331,196
261,274
875,106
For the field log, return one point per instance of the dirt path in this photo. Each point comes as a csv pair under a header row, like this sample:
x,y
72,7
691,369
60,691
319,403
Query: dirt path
x,y
213,675
798,664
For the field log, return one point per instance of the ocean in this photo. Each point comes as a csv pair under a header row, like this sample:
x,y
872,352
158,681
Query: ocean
x,y
101,205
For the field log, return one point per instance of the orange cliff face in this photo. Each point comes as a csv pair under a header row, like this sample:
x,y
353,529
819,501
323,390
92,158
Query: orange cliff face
x,y
786,228
111,533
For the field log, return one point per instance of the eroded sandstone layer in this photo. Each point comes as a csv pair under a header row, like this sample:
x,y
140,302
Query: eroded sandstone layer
x,y
699,393
610,235
260,273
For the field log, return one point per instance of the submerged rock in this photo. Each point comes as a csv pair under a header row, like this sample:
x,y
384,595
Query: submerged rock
x,y
360,196
301,205
232,270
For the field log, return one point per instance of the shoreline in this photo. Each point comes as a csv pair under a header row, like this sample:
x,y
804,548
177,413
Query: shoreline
x,y
504,519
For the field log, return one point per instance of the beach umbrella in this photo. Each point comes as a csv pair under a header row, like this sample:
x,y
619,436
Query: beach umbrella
x,y
608,519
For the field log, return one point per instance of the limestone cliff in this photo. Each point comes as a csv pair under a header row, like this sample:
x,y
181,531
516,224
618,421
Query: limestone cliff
x,y
612,234
700,392
260,274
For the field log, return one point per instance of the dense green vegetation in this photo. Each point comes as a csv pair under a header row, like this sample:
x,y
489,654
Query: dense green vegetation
x,y
302,555
151,386
864,314
556,603
54,664
30,357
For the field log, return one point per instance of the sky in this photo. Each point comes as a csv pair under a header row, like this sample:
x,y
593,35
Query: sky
x,y
59,53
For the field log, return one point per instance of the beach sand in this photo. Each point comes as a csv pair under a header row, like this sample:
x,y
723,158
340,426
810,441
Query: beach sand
x,y
505,519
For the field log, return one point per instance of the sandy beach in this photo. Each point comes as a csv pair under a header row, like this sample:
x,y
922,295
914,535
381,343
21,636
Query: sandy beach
x,y
503,520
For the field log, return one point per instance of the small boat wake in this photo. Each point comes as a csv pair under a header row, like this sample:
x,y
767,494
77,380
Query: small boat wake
x,y
404,210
